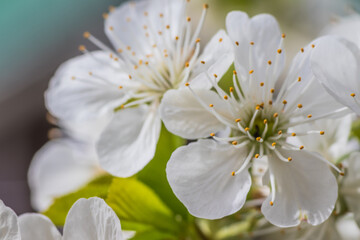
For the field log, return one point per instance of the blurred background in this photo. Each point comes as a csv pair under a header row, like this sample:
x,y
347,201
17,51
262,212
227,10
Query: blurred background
x,y
37,36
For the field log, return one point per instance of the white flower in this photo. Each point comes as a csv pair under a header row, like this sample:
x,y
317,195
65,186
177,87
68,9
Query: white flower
x,y
156,50
87,219
336,64
64,165
211,176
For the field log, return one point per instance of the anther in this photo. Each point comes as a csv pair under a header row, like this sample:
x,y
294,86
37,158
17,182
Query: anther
x,y
353,95
272,90
342,174
197,40
312,45
283,35
299,79
251,71
257,107
111,28
212,134
120,87
252,43
82,48
237,120
146,14
309,116
293,134
206,6
86,35
202,62
211,105
188,19
226,97
271,203
300,106
177,38
301,147
289,159
130,77
258,139
187,84
270,102
111,8
234,143
322,132
119,50
279,51
247,129
284,102
73,78
215,75
276,115
261,84
257,155
90,73
187,64
234,72
237,43
273,144
280,132
231,89
265,121
269,62
167,26
233,173
302,49
161,15
105,15
220,40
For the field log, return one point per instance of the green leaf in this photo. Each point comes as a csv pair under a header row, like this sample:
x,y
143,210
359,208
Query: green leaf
x,y
355,130
61,206
154,174
140,209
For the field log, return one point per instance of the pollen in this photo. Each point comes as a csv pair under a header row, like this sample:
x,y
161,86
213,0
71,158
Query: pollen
x,y
252,43
211,105
271,203
269,62
251,71
300,106
301,147
120,87
342,174
293,134
257,107
258,139
231,89
272,90
187,64
270,102
205,6
257,155
130,77
284,102
122,106
212,134
279,51
197,40
265,121
322,132
276,115
302,49
215,75
299,79
234,143
273,144
202,62
261,84
312,45
353,95
309,116
86,35
167,26
188,19
177,38
237,120
226,97
232,173
237,43
289,159
220,39
82,48
187,84
283,35
234,72
280,132
247,129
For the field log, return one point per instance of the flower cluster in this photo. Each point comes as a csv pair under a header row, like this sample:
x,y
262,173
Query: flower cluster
x,y
273,140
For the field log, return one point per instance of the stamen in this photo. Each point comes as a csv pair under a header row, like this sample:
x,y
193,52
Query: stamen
x,y
247,160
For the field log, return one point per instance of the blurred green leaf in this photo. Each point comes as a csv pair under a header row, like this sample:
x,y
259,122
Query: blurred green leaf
x,y
154,174
355,130
61,206
140,209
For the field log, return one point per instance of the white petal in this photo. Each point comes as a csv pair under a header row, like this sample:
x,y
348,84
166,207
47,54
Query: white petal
x,y
351,185
336,63
200,176
183,115
58,168
264,31
305,187
9,227
217,57
129,141
37,226
308,91
87,96
92,219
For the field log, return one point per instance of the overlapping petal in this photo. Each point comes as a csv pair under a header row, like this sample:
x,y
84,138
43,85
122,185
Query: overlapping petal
x,y
92,219
305,189
9,227
37,226
200,176
129,141
184,115
86,88
335,63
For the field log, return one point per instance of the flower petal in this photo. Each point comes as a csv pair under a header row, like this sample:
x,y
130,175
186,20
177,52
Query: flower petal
x,y
264,33
216,59
9,227
183,115
335,63
85,88
58,168
305,188
351,185
200,176
129,141
37,226
92,219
